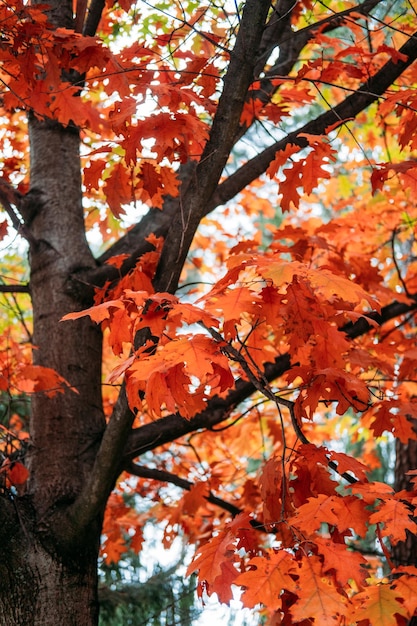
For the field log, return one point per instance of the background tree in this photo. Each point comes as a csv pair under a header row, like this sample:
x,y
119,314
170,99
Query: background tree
x,y
234,388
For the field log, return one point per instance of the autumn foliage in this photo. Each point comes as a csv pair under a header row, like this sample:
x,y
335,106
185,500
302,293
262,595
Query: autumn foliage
x,y
255,281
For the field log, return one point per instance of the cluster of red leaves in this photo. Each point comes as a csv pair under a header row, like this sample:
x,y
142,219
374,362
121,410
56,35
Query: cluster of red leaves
x,y
122,529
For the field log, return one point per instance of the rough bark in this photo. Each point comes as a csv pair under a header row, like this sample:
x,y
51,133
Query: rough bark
x,y
48,572
41,587
405,552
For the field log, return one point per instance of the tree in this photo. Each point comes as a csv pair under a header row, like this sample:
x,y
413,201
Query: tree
x,y
138,373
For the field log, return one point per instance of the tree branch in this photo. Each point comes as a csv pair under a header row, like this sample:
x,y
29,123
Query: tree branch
x,y
167,477
15,288
80,12
95,11
107,466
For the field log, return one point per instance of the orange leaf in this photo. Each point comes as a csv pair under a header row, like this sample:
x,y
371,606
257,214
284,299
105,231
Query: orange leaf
x,y
266,579
406,586
211,556
118,189
379,604
317,596
346,564
395,517
180,375
38,378
97,313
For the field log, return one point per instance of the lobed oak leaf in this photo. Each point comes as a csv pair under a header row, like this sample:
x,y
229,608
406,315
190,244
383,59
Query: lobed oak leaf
x,y
137,540
222,585
195,498
266,579
118,189
347,463
392,416
271,483
281,158
379,604
321,154
288,188
378,178
113,550
311,477
248,538
180,375
234,304
120,330
344,513
97,313
281,273
317,598
316,511
403,428
117,260
346,564
372,491
271,302
395,519
37,378
208,81
67,108
326,284
190,314
120,369
334,287
392,52
332,385
155,182
211,555
251,111
405,583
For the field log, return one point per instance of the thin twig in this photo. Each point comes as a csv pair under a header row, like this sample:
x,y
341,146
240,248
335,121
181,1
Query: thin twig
x,y
25,288
397,267
168,477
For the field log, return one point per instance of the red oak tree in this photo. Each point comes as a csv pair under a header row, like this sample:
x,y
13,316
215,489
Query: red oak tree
x,y
218,206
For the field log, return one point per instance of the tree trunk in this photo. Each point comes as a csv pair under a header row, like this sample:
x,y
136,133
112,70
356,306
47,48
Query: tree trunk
x,y
59,564
48,561
405,552
48,565
40,587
